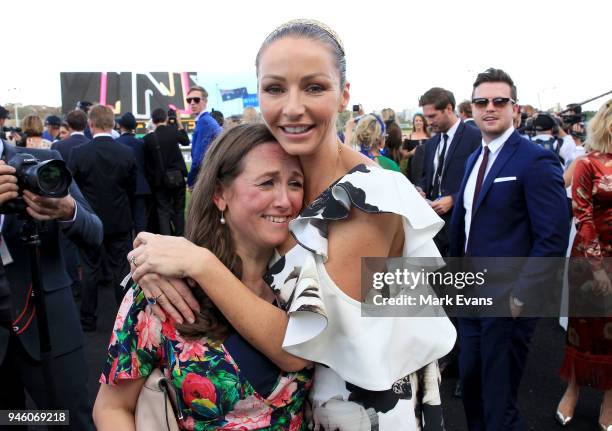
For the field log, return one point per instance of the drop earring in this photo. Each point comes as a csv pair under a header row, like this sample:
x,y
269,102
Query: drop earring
x,y
222,219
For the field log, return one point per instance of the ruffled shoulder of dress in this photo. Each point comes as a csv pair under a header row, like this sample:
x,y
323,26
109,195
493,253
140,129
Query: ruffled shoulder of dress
x,y
372,190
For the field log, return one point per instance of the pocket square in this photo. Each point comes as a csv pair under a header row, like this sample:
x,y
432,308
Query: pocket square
x,y
503,179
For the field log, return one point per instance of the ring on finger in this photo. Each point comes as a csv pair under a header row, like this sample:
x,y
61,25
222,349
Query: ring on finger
x,y
151,300
133,260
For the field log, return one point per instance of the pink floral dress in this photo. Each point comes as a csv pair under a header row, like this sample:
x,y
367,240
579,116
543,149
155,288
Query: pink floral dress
x,y
219,385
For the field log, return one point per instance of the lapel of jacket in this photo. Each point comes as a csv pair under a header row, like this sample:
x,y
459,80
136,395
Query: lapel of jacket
x,y
453,146
504,156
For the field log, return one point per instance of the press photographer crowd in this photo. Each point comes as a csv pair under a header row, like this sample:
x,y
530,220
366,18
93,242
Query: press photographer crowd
x,y
91,201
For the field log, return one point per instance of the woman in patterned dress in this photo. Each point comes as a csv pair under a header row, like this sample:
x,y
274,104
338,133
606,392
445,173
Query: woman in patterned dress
x,y
247,191
372,373
588,352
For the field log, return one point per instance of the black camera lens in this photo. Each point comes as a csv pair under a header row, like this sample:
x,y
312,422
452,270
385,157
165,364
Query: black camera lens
x,y
53,178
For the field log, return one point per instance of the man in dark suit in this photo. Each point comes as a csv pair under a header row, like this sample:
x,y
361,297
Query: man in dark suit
x,y
445,156
464,109
77,121
127,124
106,173
55,379
162,155
511,203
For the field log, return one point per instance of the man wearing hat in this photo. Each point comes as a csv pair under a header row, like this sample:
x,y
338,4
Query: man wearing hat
x,y
546,128
127,125
52,124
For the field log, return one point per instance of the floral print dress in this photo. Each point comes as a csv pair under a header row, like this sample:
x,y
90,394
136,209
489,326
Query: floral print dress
x,y
225,385
588,351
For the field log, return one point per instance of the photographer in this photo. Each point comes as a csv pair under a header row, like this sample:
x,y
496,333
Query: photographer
x,y
55,379
166,171
551,136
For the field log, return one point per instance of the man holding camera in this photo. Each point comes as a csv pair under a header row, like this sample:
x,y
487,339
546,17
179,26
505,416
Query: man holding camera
x,y
166,172
55,379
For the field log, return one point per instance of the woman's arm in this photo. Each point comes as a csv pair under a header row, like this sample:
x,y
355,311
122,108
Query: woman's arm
x,y
262,324
115,405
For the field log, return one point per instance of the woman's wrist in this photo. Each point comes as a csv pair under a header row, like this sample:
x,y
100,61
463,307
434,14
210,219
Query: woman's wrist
x,y
202,263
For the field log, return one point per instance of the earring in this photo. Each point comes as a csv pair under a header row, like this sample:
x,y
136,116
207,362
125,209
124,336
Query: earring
x,y
222,219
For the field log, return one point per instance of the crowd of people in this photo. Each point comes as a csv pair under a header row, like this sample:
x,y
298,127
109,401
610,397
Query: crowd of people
x,y
250,309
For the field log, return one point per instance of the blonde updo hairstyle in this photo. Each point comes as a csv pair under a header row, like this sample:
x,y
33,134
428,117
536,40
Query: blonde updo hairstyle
x,y
368,133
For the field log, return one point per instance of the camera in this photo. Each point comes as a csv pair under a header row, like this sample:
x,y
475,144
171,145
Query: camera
x,y
171,116
11,129
355,108
49,178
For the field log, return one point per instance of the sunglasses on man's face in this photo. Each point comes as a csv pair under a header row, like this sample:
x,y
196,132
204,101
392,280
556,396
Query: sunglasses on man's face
x,y
498,102
195,100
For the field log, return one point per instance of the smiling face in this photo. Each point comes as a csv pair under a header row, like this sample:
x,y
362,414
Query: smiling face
x,y
300,93
261,200
493,121
418,124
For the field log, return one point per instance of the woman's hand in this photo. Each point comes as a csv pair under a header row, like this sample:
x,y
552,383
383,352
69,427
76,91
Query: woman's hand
x,y
172,296
169,256
603,285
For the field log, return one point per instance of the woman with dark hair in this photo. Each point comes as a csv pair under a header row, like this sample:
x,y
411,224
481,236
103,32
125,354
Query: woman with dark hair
x,y
247,191
370,372
413,149
588,350
393,135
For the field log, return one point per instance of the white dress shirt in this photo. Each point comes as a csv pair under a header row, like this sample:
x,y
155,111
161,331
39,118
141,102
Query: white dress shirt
x,y
451,134
495,147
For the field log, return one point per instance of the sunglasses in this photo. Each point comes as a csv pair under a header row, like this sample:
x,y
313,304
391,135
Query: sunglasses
x,y
193,99
498,102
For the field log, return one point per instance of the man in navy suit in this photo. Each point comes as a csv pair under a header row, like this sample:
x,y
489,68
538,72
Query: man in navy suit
x,y
57,379
127,125
77,121
445,156
105,170
511,203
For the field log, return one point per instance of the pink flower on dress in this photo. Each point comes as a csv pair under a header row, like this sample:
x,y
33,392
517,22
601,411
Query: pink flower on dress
x,y
283,391
248,414
168,329
148,329
196,387
191,349
124,309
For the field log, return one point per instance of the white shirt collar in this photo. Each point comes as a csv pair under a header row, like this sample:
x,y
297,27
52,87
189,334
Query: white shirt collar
x,y
77,133
451,132
496,144
102,134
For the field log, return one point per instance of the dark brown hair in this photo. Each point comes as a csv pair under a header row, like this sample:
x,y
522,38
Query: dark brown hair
x,y
495,75
438,97
465,107
223,162
77,120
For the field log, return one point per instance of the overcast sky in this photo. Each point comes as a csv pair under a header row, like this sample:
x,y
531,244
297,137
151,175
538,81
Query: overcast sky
x,y
556,52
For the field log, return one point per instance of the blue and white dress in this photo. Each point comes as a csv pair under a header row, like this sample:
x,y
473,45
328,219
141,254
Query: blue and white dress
x,y
372,373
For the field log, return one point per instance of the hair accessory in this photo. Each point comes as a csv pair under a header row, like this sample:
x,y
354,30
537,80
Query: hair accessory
x,y
222,219
312,23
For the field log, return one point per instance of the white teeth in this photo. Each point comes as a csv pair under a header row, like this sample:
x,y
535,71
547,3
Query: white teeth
x,y
296,129
277,219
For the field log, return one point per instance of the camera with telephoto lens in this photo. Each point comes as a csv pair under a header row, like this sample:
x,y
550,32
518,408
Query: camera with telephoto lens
x,y
11,129
49,178
171,116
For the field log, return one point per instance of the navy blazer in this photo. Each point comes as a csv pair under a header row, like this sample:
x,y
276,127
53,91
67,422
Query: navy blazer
x,y
524,216
137,146
62,315
65,147
465,141
105,170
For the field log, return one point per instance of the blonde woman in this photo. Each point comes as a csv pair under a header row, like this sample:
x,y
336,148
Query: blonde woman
x,y
588,351
369,137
